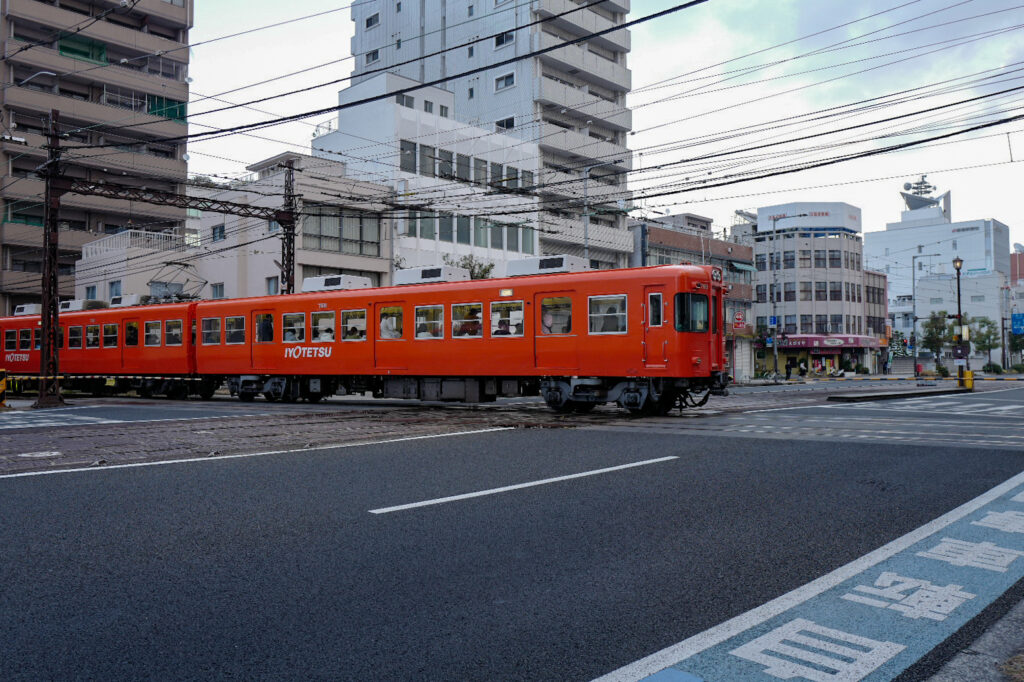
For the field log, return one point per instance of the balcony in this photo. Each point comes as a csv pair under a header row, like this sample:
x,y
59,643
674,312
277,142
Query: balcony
x,y
17,282
584,21
567,185
28,189
103,31
573,144
579,61
30,101
19,234
567,231
44,59
585,105
132,163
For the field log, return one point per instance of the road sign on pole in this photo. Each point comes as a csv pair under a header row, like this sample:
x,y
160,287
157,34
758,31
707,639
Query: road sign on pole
x,y
773,321
738,318
1018,323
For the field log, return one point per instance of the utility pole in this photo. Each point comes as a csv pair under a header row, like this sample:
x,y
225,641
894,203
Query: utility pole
x,y
913,300
288,231
49,366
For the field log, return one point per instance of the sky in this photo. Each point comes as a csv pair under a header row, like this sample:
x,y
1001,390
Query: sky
x,y
701,76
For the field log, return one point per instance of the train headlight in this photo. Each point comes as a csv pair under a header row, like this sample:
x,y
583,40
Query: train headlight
x,y
716,275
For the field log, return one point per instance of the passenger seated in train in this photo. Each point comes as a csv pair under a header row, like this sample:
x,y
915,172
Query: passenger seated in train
x,y
327,334
611,320
389,327
423,332
353,334
502,329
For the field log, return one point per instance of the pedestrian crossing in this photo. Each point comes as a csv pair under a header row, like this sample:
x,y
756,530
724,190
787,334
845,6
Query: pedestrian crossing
x,y
953,405
49,419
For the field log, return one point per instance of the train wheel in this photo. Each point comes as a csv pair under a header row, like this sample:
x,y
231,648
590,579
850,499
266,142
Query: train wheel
x,y
660,407
206,392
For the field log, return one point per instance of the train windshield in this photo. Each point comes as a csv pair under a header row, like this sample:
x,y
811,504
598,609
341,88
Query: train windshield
x,y
691,312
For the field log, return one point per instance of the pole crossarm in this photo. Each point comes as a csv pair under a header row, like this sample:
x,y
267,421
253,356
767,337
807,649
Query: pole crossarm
x,y
112,190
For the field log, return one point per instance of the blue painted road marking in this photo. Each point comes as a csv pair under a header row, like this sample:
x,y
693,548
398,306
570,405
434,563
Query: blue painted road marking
x,y
871,619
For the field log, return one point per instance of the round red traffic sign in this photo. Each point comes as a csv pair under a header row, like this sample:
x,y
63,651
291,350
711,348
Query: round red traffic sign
x,y
738,317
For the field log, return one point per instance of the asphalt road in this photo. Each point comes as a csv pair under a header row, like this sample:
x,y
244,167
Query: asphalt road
x,y
276,567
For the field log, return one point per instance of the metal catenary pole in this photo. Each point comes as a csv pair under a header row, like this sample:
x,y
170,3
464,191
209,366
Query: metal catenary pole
x,y
49,365
288,231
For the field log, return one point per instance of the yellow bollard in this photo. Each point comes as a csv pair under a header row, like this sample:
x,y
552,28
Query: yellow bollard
x,y
968,380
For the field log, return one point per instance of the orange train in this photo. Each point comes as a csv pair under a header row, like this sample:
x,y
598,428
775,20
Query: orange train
x,y
645,338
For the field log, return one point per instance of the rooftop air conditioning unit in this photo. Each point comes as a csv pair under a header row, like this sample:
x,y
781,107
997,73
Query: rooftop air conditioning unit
x,y
336,282
29,309
434,273
81,304
128,300
546,264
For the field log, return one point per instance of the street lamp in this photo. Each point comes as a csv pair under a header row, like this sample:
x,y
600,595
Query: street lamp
x,y
775,280
586,210
958,263
913,297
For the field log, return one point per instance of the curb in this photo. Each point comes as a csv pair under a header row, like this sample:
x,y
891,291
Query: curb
x,y
865,397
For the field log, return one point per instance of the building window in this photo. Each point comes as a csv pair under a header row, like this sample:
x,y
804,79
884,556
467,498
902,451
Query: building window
x,y
83,49
821,291
821,324
789,291
443,113
806,324
90,292
398,43
935,300
835,291
835,258
217,290
504,82
372,20
819,258
977,299
273,286
762,293
469,51
426,161
405,100
505,123
469,11
217,232
805,291
470,94
789,260
372,56
398,7
115,289
836,325
506,38
407,156
168,108
428,106
805,258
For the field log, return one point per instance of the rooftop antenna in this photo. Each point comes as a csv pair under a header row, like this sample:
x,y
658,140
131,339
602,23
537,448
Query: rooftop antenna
x,y
920,188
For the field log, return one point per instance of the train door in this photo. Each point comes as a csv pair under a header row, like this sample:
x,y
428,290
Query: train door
x,y
131,349
265,340
389,334
657,332
555,333
717,330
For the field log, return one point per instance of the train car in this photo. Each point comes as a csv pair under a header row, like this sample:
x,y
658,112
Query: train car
x,y
644,338
146,348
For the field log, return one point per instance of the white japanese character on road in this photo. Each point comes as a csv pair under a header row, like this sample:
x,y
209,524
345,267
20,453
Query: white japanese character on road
x,y
1011,521
1019,497
831,655
913,597
976,555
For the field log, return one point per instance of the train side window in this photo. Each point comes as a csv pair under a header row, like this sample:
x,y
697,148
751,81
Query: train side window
x,y
264,328
353,324
714,314
293,326
131,333
38,338
429,321
234,330
153,333
25,339
556,315
60,336
172,333
391,322
211,331
11,339
654,306
691,313
74,337
466,320
110,336
607,314
322,327
507,318
92,336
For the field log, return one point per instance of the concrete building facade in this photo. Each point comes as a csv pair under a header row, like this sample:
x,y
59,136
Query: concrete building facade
x,y
101,66
571,101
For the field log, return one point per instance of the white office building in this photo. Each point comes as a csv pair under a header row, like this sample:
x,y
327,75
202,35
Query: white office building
x,y
570,102
458,191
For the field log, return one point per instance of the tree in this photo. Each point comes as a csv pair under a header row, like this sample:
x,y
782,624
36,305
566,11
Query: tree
x,y
1016,344
985,335
896,344
478,269
935,334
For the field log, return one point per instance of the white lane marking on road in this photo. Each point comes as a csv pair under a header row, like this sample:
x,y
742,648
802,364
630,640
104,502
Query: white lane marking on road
x,y
518,486
41,454
743,622
336,446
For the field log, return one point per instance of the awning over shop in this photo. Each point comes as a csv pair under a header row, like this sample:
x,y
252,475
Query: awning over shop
x,y
742,266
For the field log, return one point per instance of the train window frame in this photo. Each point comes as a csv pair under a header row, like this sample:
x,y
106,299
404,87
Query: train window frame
x,y
75,334
60,337
433,330
557,303
261,329
131,340
207,325
229,334
328,333
651,307
94,329
24,339
684,315
393,314
37,339
298,332
106,334
467,323
516,330
620,319
10,339
348,316
149,334
169,328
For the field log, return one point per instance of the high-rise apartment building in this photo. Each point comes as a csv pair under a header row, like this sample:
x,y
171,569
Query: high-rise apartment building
x,y
116,73
571,102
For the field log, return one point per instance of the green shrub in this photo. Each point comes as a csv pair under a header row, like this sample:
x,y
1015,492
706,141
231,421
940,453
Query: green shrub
x,y
860,369
942,370
1019,369
992,368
